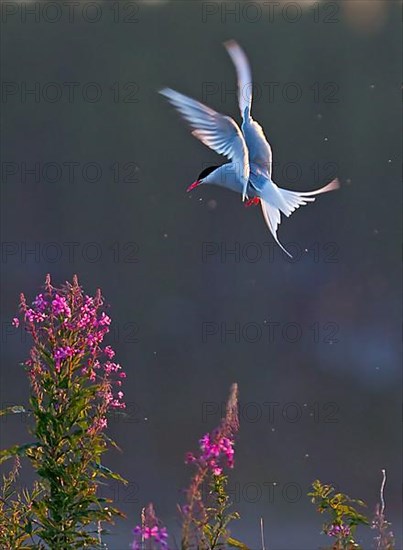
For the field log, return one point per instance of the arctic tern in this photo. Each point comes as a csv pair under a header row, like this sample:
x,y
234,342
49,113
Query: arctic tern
x,y
249,152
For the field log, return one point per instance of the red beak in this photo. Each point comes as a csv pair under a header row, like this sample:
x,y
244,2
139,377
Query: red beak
x,y
194,184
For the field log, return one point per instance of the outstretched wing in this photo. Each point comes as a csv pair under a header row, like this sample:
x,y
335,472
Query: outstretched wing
x,y
244,75
259,148
219,132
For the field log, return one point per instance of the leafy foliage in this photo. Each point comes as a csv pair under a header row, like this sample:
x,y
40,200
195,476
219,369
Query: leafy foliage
x,y
343,518
16,515
71,378
75,387
207,513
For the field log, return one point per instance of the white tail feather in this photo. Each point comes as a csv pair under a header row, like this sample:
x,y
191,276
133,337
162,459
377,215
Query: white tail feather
x,y
272,218
291,200
287,202
332,186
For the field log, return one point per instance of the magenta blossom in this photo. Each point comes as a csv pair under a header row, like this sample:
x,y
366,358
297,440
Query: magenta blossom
x,y
109,352
59,305
216,451
60,354
150,530
338,531
68,329
217,448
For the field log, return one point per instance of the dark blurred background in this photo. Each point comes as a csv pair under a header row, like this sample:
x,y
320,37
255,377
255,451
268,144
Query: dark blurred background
x,y
94,170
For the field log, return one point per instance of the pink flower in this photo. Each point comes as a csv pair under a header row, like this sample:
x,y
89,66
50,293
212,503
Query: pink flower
x,y
189,458
63,353
60,354
15,322
338,531
40,303
32,316
151,531
111,367
104,320
65,323
159,534
98,425
217,448
60,306
109,352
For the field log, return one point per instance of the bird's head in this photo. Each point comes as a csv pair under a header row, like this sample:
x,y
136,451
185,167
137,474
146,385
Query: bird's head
x,y
203,174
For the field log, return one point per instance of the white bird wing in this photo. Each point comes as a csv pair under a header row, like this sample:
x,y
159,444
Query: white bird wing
x,y
217,131
244,75
259,148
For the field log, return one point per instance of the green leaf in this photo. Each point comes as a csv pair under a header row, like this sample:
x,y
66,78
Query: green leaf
x,y
234,543
112,442
28,527
16,450
108,473
16,409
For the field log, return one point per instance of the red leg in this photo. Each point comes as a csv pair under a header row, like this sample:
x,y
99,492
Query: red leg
x,y
252,202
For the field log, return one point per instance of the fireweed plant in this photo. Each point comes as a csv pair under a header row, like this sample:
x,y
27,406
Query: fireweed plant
x,y
75,384
207,511
150,534
75,387
384,539
343,518
15,511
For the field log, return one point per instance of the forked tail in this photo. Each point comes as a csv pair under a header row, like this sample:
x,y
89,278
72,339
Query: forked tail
x,y
332,186
287,202
272,218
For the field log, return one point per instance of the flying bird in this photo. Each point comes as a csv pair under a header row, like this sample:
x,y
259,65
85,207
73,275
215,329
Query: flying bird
x,y
247,148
